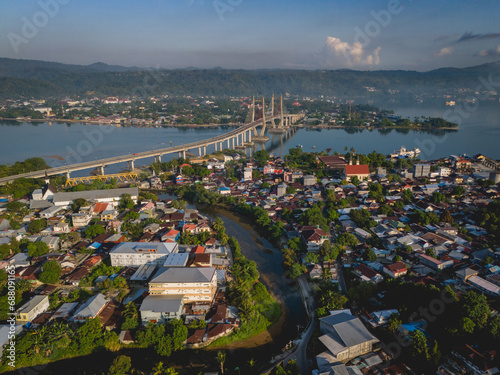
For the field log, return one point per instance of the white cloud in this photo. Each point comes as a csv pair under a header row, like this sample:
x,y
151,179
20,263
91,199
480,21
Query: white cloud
x,y
445,52
489,52
337,53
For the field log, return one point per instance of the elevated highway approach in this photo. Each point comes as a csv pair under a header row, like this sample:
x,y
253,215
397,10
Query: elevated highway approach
x,y
240,137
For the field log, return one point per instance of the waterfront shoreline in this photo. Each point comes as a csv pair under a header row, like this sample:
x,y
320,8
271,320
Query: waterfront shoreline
x,y
214,126
126,124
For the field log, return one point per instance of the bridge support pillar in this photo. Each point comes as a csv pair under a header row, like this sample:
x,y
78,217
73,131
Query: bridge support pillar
x,y
102,170
215,145
199,151
131,164
250,137
159,158
184,154
204,150
67,175
220,145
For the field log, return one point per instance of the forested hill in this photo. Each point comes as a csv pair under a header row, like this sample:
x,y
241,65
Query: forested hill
x,y
29,78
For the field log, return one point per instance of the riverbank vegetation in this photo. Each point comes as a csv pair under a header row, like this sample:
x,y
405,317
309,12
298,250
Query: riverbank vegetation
x,y
28,165
57,341
364,120
258,310
13,113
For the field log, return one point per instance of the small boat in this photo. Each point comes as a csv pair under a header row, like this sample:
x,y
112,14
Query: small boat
x,y
313,146
404,153
299,146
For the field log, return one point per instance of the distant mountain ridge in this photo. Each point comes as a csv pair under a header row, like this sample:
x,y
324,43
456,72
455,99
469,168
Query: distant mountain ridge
x,y
18,67
32,78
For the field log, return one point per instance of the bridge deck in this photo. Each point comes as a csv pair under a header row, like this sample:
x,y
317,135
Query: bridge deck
x,y
141,155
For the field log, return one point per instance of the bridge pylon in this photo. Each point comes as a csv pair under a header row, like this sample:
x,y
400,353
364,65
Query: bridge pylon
x,y
261,137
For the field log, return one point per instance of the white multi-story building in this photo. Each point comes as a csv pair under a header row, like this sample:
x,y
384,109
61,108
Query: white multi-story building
x,y
50,212
81,219
101,196
139,253
444,172
193,283
247,174
31,309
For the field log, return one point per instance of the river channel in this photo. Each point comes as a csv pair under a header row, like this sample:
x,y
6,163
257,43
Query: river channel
x,y
268,260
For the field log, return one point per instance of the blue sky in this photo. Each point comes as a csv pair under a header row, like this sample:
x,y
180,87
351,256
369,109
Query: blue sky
x,y
313,34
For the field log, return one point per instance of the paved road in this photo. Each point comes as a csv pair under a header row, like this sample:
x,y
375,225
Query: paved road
x,y
300,353
340,276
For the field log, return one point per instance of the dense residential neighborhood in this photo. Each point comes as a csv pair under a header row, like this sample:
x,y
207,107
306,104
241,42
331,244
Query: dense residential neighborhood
x,y
376,239
165,110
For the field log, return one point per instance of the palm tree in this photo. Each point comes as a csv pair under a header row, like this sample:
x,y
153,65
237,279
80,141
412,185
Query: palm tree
x,y
158,369
59,330
221,358
36,341
326,275
218,224
130,311
121,294
23,285
280,370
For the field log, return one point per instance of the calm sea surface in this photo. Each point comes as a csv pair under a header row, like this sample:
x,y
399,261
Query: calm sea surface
x,y
62,143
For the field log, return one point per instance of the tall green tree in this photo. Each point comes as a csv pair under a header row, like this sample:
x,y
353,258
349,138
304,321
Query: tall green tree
x,y
475,307
120,366
94,230
164,346
221,359
178,332
419,347
51,272
36,226
36,249
126,202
